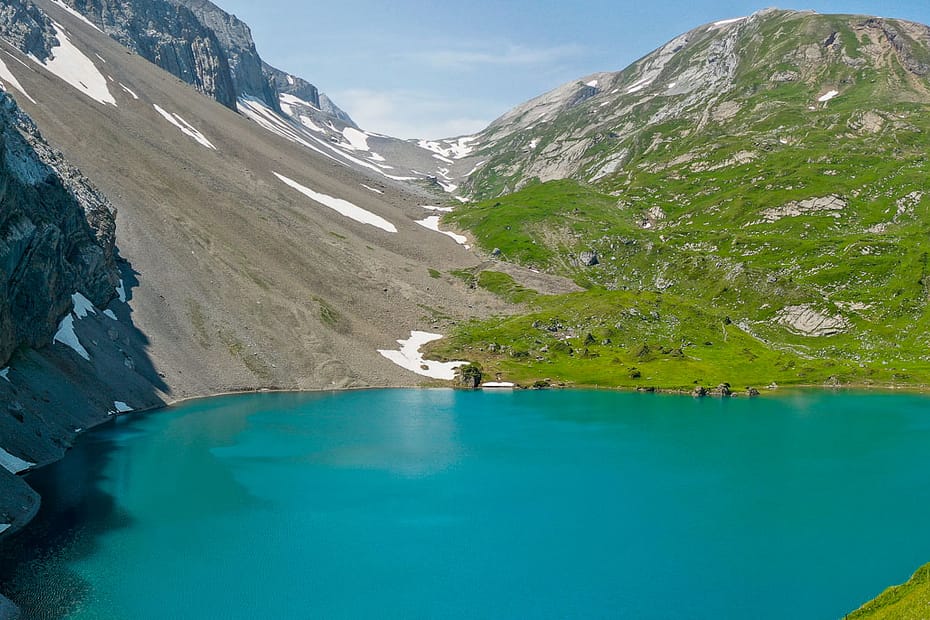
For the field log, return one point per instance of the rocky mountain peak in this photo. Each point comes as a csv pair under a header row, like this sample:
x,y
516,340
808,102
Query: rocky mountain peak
x,y
725,73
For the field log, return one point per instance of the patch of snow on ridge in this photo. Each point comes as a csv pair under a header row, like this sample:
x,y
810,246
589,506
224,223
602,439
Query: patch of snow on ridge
x,y
432,223
592,84
67,337
122,407
5,374
640,84
79,16
4,527
343,207
410,357
13,464
185,127
828,96
727,22
371,189
7,77
454,149
71,65
110,314
433,208
121,291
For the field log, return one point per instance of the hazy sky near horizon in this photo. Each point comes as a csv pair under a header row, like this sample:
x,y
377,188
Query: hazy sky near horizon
x,y
414,68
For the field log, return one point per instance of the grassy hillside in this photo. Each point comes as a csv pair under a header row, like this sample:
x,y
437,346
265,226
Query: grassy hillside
x,y
910,601
786,222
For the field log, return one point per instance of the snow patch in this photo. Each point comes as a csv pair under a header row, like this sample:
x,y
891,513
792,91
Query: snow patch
x,y
4,527
82,306
13,464
129,90
372,189
343,207
71,65
640,84
432,208
358,140
67,337
592,84
7,77
727,22
122,407
121,291
110,314
828,96
453,149
498,384
79,16
432,223
185,127
410,357
5,374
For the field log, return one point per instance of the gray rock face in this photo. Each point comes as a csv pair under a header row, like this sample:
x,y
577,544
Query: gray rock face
x,y
330,108
203,45
26,27
287,84
171,36
57,236
245,65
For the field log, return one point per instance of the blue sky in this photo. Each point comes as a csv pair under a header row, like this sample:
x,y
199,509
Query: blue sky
x,y
414,68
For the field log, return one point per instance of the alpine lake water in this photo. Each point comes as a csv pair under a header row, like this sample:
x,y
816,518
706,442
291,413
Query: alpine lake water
x,y
446,504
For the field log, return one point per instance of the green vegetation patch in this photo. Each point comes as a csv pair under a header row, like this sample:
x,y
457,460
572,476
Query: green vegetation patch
x,y
910,601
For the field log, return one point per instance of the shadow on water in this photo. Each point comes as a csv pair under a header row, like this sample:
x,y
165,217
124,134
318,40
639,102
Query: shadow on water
x,y
76,510
33,563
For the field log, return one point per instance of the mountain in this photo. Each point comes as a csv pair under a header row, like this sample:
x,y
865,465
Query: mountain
x,y
733,77
746,205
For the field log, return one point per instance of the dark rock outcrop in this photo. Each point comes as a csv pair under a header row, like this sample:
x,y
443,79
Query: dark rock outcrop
x,y
57,236
169,35
246,68
26,27
203,45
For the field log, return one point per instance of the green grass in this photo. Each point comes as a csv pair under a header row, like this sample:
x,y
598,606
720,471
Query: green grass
x,y
910,601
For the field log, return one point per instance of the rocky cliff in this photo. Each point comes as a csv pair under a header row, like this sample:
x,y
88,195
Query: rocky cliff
x,y
246,67
203,45
169,35
27,28
56,236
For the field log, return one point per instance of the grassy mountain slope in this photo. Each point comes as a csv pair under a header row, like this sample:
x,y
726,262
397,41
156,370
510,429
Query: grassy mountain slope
x,y
777,209
909,601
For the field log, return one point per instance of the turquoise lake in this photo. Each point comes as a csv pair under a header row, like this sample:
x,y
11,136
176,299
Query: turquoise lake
x,y
443,504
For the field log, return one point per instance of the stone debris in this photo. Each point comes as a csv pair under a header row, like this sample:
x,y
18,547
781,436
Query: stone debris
x,y
831,204
806,321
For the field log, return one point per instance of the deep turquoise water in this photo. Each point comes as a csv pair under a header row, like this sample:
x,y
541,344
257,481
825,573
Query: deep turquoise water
x,y
441,504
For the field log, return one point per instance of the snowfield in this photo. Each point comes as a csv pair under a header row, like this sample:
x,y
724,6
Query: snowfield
x,y
410,357
13,464
432,223
185,127
71,65
343,207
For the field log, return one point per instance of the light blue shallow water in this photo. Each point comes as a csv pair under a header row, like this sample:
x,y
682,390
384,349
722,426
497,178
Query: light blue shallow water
x,y
441,504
